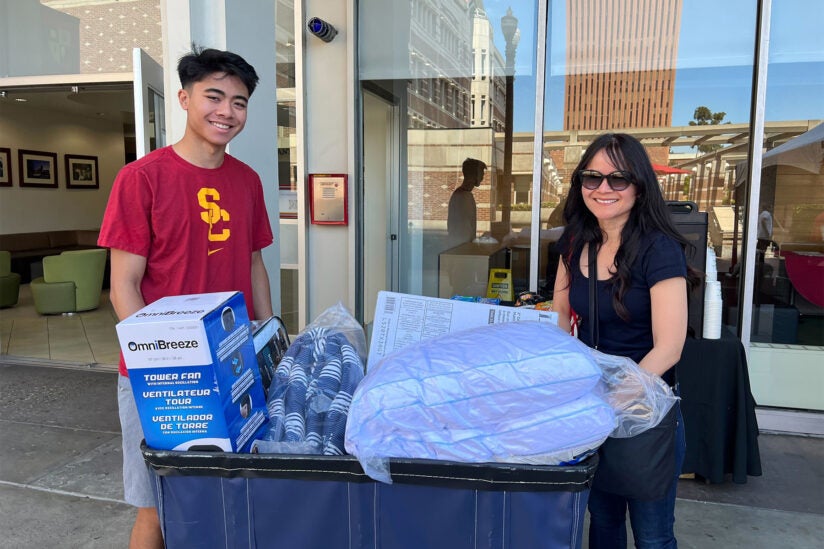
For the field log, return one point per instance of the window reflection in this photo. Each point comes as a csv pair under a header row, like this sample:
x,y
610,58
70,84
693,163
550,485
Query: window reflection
x,y
454,107
788,293
671,78
788,278
620,64
677,80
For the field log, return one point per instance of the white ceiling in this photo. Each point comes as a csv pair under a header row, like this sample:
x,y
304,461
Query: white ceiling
x,y
109,101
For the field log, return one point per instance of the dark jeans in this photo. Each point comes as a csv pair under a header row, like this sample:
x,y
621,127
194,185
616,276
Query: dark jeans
x,y
652,521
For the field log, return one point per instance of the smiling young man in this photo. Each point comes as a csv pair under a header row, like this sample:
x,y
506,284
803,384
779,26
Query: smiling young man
x,y
186,219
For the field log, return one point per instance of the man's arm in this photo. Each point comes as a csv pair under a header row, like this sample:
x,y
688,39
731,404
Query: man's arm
x,y
261,296
127,274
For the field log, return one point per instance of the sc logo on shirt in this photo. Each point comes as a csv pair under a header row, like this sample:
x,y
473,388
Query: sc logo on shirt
x,y
208,199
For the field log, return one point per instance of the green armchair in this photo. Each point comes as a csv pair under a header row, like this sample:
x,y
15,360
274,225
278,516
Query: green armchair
x,y
9,281
71,282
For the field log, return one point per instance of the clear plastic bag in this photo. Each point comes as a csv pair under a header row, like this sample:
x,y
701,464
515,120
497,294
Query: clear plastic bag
x,y
460,396
313,385
639,398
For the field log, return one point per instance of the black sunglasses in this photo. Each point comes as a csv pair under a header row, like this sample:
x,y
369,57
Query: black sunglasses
x,y
617,181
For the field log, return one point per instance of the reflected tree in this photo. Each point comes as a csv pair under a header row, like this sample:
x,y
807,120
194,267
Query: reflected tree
x,y
703,116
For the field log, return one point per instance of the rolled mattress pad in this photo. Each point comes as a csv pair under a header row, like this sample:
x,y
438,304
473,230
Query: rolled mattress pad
x,y
486,394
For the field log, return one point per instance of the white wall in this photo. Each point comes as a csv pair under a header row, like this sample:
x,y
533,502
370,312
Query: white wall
x,y
329,140
27,209
255,40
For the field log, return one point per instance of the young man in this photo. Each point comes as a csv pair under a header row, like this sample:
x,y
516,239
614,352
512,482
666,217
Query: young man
x,y
186,219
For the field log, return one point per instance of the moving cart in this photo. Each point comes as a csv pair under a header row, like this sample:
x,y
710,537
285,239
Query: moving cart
x,y
228,500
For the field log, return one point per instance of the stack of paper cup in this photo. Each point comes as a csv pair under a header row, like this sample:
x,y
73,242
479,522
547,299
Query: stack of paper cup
x,y
712,268
712,310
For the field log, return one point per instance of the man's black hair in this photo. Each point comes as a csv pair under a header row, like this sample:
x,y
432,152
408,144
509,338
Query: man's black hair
x,y
202,62
471,166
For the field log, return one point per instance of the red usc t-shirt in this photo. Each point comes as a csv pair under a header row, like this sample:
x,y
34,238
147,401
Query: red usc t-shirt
x,y
196,227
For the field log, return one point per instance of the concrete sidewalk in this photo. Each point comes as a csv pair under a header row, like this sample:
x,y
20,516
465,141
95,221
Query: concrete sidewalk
x,y
60,459
60,478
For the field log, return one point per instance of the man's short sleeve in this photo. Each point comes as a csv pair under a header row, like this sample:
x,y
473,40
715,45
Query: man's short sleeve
x,y
126,221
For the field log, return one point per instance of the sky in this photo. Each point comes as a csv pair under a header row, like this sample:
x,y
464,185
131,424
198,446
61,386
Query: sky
x,y
714,66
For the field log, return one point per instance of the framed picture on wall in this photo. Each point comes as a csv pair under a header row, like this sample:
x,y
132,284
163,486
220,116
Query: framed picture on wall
x,y
5,167
81,172
37,168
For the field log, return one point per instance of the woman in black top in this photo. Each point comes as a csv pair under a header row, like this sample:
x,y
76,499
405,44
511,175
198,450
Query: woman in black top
x,y
615,204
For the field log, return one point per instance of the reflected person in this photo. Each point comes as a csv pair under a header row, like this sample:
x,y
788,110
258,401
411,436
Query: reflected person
x,y
765,228
462,217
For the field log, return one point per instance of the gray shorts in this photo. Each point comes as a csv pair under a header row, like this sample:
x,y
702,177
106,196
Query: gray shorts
x,y
137,481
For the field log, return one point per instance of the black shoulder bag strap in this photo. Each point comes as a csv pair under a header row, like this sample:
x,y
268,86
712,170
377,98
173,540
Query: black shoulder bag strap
x,y
593,295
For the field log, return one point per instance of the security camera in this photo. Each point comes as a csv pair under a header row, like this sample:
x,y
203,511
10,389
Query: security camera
x,y
321,29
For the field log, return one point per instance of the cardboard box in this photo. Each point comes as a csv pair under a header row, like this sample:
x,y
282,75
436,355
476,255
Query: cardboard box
x,y
464,269
194,373
402,319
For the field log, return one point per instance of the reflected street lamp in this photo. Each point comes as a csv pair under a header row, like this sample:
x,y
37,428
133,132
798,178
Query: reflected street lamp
x,y
512,35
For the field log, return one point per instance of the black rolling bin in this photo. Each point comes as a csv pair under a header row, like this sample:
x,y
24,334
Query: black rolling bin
x,y
294,501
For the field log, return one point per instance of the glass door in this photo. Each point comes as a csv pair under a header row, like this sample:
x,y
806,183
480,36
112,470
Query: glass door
x,y
149,112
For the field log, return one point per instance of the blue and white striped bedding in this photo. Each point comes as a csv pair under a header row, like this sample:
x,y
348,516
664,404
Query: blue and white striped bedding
x,y
310,394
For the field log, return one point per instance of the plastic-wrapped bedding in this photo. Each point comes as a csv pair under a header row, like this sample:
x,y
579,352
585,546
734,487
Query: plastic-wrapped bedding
x,y
315,382
517,392
548,436
313,386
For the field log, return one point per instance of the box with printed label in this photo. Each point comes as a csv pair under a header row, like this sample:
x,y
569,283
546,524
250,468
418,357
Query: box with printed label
x,y
194,374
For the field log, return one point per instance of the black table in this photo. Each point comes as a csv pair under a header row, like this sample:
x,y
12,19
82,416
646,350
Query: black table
x,y
719,410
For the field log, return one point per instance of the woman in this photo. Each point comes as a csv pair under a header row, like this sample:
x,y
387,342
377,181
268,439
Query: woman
x,y
616,206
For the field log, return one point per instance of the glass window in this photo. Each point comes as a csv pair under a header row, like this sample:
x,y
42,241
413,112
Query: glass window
x,y
442,250
676,79
788,285
680,81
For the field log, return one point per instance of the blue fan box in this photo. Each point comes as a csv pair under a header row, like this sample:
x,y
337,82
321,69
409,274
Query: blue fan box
x,y
193,370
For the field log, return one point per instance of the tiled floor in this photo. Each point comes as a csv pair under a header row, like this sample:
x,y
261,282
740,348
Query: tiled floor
x,y
82,339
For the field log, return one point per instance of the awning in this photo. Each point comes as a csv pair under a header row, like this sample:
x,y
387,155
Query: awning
x,y
805,152
667,170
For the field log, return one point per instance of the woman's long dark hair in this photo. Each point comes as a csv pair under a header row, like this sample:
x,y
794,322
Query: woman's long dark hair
x,y
648,214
